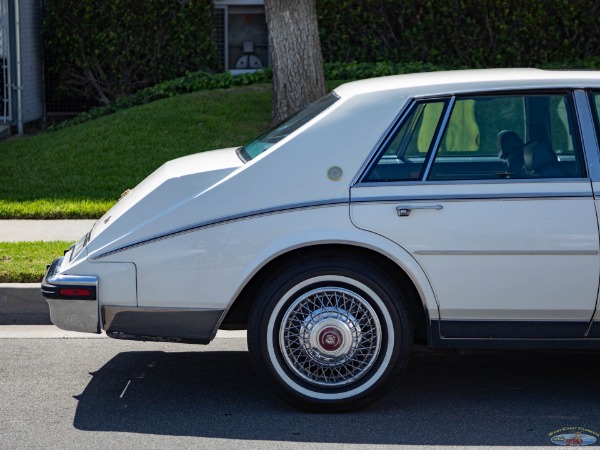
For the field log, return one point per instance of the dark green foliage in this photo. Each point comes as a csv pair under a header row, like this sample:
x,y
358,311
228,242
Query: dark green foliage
x,y
473,33
106,49
191,82
358,71
199,81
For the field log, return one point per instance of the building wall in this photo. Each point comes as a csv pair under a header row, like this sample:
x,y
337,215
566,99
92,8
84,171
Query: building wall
x,y
238,22
21,37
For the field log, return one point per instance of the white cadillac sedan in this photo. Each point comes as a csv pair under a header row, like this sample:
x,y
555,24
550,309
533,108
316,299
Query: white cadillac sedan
x,y
456,209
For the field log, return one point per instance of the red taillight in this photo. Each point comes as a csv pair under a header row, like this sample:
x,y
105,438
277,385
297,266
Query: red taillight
x,y
69,292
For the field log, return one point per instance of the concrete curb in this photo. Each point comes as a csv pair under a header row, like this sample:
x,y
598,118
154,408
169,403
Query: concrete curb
x,y
23,304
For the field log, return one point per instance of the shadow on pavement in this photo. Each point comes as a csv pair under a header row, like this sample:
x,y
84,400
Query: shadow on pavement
x,y
491,398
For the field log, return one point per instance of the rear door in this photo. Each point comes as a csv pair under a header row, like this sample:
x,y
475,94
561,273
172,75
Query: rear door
x,y
510,253
591,136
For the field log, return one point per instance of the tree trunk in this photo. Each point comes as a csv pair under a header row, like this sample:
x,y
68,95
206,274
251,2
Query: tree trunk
x,y
298,77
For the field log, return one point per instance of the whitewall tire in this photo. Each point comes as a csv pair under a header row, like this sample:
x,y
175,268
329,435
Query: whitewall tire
x,y
330,333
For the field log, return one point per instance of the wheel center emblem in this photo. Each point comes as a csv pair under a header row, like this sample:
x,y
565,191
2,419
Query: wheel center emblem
x,y
331,339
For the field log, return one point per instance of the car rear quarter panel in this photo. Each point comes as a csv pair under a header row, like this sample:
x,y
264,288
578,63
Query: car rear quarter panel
x,y
293,171
209,267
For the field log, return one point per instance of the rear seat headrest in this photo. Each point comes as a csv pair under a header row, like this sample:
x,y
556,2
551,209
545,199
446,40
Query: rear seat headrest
x,y
507,143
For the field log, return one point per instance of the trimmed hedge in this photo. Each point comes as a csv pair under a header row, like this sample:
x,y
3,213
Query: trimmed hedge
x,y
474,33
198,81
106,49
191,82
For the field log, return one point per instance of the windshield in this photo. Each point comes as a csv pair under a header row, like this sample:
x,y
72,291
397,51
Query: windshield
x,y
288,126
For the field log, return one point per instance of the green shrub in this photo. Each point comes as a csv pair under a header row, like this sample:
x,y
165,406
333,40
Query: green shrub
x,y
191,82
106,49
473,33
198,81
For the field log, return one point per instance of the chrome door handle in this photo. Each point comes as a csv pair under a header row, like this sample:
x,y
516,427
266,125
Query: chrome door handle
x,y
404,211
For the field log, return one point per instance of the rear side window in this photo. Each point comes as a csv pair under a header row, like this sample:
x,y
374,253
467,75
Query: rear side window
x,y
485,137
288,126
409,145
596,108
476,122
509,136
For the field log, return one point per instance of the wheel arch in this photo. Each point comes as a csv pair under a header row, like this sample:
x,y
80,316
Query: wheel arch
x,y
237,315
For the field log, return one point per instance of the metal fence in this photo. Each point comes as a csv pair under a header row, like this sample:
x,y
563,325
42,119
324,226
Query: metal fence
x,y
5,78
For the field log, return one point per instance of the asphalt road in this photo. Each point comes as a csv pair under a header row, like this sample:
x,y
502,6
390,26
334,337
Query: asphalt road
x,y
102,393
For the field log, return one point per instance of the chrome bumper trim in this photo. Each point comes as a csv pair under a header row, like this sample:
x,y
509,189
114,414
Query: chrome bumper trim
x,y
76,310
53,282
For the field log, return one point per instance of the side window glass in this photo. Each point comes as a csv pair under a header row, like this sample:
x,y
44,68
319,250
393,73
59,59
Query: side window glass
x,y
403,158
596,108
509,136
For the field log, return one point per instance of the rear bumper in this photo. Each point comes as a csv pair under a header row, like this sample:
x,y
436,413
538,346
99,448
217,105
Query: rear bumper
x,y
72,299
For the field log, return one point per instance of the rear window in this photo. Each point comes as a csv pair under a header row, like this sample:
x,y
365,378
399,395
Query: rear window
x,y
288,126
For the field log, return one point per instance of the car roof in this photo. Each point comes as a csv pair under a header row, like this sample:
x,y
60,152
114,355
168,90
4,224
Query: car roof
x,y
461,81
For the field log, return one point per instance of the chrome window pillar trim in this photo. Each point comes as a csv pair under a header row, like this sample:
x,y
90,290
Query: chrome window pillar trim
x,y
221,221
585,121
383,141
438,138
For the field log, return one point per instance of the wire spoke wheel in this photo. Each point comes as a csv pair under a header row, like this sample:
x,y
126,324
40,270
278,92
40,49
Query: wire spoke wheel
x,y
329,332
330,336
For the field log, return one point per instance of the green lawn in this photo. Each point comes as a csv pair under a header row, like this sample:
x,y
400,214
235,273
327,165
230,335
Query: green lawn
x,y
80,171
25,262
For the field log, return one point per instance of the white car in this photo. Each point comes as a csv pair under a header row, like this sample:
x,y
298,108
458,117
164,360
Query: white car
x,y
456,209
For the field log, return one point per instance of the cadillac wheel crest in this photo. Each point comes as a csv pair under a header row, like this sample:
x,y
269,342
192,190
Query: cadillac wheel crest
x,y
330,336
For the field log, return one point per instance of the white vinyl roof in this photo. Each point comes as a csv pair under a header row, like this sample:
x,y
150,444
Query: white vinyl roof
x,y
460,81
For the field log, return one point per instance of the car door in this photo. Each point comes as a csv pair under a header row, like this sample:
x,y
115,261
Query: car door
x,y
592,135
491,196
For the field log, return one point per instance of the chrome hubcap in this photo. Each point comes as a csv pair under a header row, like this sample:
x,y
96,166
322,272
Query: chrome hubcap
x,y
330,336
330,339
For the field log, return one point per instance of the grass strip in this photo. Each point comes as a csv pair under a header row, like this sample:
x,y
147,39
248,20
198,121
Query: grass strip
x,y
87,167
25,262
54,209
79,172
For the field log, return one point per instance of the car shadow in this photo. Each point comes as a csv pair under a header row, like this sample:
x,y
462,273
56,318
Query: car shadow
x,y
445,398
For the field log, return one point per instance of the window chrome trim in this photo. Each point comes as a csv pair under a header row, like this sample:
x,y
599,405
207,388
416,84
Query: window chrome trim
x,y
222,221
498,181
526,196
385,138
587,129
584,126
390,134
438,138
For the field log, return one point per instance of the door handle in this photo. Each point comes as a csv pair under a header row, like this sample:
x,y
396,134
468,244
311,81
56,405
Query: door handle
x,y
404,211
